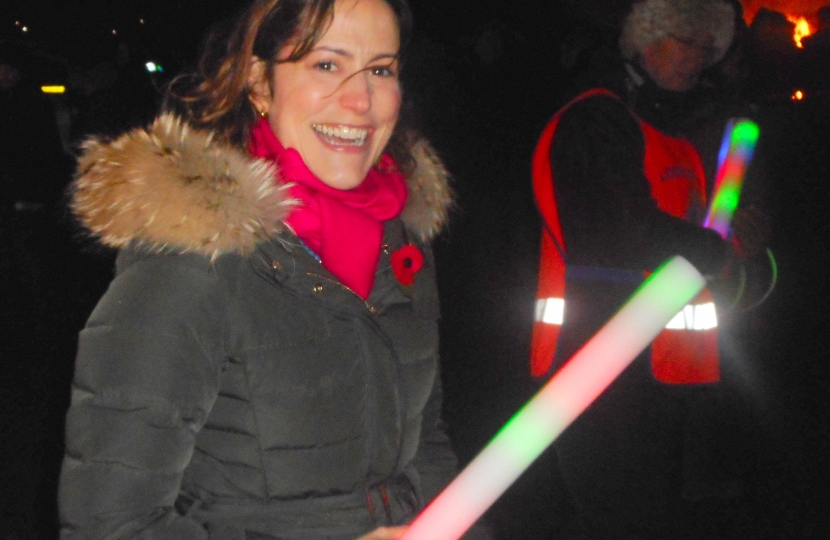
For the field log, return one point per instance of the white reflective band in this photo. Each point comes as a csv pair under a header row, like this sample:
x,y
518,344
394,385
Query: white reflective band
x,y
550,310
705,316
698,317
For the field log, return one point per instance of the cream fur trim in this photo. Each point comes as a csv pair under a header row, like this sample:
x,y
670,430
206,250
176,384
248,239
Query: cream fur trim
x,y
172,186
430,196
708,23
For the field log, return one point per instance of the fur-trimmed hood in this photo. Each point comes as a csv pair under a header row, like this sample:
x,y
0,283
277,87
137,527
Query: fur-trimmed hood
x,y
705,23
172,186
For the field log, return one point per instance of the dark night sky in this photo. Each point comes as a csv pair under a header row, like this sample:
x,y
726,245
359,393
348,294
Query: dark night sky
x,y
81,30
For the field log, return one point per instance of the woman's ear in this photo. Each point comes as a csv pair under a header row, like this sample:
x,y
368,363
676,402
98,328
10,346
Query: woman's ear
x,y
259,89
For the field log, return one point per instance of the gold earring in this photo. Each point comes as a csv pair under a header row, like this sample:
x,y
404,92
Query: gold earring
x,y
263,114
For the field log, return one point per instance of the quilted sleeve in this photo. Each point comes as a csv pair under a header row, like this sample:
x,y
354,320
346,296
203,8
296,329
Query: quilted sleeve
x,y
145,380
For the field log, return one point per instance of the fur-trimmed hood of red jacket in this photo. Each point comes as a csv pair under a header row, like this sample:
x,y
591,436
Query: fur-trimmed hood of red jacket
x,y
173,186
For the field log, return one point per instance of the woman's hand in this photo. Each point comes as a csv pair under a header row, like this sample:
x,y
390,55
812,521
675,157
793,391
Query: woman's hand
x,y
384,533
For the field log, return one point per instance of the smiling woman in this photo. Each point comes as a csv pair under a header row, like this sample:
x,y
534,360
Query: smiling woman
x,y
339,104
262,366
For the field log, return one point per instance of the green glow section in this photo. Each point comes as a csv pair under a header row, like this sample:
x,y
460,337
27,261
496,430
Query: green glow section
x,y
727,200
522,438
559,402
746,132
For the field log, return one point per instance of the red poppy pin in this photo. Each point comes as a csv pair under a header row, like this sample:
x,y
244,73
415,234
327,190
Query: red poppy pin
x,y
405,262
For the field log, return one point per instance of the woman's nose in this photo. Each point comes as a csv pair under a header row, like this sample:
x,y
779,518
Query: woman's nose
x,y
356,93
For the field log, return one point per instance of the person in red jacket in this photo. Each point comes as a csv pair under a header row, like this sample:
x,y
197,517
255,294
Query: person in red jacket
x,y
621,190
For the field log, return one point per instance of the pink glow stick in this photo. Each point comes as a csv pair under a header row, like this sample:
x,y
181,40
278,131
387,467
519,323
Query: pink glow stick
x,y
558,403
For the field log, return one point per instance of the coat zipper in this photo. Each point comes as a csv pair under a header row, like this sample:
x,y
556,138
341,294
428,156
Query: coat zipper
x,y
401,416
369,307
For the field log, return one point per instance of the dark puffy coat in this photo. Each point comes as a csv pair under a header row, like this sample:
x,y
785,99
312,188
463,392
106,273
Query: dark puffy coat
x,y
227,386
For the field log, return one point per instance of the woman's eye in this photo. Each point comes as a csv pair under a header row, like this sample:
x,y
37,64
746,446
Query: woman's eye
x,y
325,65
383,71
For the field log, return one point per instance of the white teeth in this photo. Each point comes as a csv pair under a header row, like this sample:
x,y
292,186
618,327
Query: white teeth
x,y
342,135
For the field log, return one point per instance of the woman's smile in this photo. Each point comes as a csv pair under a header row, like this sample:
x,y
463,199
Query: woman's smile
x,y
341,137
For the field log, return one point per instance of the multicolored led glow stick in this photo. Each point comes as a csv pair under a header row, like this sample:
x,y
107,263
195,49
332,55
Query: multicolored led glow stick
x,y
559,402
736,151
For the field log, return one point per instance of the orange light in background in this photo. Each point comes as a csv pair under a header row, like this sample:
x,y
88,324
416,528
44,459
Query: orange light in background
x,y
802,29
798,96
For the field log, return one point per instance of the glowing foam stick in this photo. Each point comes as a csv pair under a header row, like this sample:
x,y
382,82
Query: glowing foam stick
x,y
559,402
735,154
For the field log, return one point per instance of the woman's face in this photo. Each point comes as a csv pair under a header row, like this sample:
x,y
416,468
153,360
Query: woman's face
x,y
338,105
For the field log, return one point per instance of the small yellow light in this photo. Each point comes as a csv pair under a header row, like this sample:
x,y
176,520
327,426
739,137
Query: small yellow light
x,y
25,29
53,89
798,96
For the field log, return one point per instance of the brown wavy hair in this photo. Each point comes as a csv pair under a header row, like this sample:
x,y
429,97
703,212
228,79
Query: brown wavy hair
x,y
215,95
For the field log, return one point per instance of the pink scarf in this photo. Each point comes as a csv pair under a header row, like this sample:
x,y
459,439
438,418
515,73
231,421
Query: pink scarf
x,y
344,227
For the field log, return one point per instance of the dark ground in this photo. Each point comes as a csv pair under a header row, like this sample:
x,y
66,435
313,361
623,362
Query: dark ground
x,y
484,112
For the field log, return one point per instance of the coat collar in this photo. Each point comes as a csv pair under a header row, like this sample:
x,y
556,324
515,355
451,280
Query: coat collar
x,y
170,186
